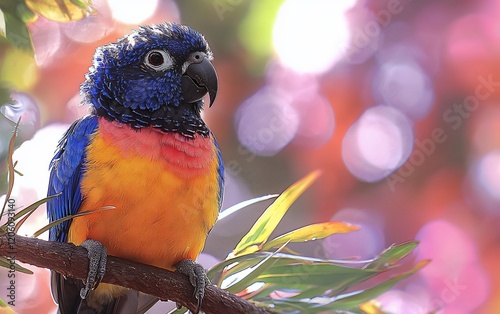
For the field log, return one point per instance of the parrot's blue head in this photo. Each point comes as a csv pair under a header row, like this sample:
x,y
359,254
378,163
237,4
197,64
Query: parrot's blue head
x,y
157,76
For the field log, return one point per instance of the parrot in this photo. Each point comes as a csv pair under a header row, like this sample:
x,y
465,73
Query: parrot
x,y
142,171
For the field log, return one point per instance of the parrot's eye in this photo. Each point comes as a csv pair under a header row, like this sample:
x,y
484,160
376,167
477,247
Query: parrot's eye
x,y
158,60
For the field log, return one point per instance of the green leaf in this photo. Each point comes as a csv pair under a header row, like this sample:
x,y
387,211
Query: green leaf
x,y
5,262
299,276
268,221
310,233
392,255
17,33
354,300
10,167
24,13
30,210
4,308
249,278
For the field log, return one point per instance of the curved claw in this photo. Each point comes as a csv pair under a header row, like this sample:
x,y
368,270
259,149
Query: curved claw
x,y
98,256
197,277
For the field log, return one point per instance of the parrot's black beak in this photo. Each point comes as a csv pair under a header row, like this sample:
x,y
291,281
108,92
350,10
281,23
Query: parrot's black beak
x,y
199,79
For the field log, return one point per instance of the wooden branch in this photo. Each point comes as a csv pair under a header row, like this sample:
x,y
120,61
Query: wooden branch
x,y
70,260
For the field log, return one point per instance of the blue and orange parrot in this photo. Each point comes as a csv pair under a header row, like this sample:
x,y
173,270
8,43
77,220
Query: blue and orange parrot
x,y
145,150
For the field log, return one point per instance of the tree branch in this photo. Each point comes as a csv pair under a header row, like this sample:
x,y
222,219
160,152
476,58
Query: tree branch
x,y
70,260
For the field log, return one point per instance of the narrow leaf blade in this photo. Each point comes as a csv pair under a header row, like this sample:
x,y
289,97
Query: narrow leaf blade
x,y
354,300
10,165
58,221
268,221
233,209
310,233
5,262
392,255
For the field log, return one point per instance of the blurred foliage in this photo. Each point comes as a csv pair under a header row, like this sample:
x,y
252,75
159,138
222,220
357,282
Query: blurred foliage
x,y
61,10
5,309
14,14
4,94
258,270
18,70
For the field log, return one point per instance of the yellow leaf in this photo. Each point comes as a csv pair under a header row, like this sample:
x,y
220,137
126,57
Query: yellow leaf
x,y
311,232
61,10
268,221
371,307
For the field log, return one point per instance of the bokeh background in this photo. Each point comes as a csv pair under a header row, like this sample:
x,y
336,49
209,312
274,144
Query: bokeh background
x,y
396,101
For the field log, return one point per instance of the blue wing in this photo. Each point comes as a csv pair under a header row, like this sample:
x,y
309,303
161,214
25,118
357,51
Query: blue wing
x,y
220,172
66,168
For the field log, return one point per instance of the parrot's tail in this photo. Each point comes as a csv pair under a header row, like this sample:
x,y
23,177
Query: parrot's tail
x,y
66,293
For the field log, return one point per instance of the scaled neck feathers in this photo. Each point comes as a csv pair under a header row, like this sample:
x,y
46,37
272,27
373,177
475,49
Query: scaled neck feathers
x,y
184,119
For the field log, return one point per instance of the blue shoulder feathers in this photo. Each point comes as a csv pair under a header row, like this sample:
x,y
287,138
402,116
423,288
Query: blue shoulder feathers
x,y
220,172
67,168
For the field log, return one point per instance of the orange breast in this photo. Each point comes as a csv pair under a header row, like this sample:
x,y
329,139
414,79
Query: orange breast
x,y
165,190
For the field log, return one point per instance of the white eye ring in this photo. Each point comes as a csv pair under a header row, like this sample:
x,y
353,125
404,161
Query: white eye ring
x,y
158,60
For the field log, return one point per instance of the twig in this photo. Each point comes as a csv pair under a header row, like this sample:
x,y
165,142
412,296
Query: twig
x,y
70,260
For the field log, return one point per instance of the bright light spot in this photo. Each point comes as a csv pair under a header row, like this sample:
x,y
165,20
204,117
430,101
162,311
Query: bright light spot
x,y
455,267
450,249
397,301
375,140
266,122
2,24
132,11
487,176
310,36
405,85
255,287
235,278
378,143
364,243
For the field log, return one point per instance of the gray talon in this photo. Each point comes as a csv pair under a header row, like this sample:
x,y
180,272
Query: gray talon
x,y
197,277
98,255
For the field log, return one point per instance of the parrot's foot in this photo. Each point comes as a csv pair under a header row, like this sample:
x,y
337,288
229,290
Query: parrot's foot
x,y
197,277
97,265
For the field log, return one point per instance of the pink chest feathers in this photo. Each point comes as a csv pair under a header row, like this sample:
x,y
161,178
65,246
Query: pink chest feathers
x,y
183,156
